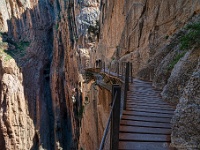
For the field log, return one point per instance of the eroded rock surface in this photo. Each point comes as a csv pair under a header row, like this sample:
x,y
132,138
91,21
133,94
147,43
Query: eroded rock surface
x,y
35,92
186,121
50,43
17,127
147,34
95,116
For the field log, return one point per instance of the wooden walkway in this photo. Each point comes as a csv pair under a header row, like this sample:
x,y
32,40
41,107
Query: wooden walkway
x,y
145,124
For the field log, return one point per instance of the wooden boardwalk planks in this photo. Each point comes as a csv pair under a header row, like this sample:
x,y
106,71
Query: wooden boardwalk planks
x,y
144,145
145,124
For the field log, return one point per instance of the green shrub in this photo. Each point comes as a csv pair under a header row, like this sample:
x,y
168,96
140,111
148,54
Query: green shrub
x,y
22,45
19,50
176,59
192,37
3,51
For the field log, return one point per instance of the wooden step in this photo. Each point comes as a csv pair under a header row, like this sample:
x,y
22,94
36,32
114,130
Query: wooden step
x,y
150,106
138,113
144,137
127,145
147,119
146,102
144,130
145,99
151,110
145,96
145,124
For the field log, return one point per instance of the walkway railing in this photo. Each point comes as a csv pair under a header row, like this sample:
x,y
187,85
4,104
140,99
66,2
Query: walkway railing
x,y
120,70
113,120
114,116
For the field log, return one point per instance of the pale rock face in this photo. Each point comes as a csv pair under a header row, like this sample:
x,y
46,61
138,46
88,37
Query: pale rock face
x,y
95,116
16,125
26,104
12,9
87,16
84,58
91,3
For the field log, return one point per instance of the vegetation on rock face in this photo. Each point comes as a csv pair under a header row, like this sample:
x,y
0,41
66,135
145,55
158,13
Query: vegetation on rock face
x,y
187,41
14,50
94,29
176,59
19,51
22,45
166,37
3,48
192,37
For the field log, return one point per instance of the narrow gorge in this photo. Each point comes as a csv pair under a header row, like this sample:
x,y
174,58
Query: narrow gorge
x,y
58,60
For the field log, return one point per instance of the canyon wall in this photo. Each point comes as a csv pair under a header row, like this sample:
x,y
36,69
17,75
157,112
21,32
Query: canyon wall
x,y
26,99
87,20
46,45
95,115
151,35
38,73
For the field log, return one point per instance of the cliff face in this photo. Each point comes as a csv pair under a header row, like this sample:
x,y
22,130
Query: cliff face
x,y
87,19
41,43
25,91
140,28
45,45
95,116
17,127
186,121
64,77
151,35
36,75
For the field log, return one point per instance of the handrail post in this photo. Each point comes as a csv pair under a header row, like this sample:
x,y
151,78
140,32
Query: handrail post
x,y
126,84
104,66
131,72
118,69
127,74
124,70
115,119
109,68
